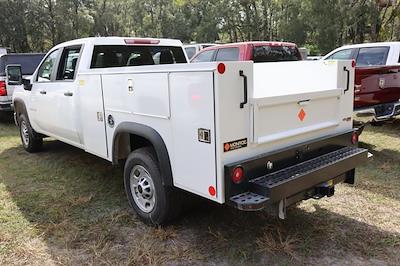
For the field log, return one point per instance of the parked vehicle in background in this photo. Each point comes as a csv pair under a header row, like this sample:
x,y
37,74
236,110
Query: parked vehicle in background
x,y
314,57
3,51
304,52
28,63
258,52
377,82
224,131
192,49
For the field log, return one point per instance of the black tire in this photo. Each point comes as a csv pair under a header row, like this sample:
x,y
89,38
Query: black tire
x,y
31,141
142,167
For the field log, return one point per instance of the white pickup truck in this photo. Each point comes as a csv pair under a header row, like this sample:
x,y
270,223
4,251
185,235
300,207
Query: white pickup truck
x,y
248,135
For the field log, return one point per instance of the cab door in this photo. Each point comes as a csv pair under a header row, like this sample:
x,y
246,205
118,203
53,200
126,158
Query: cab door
x,y
54,95
42,83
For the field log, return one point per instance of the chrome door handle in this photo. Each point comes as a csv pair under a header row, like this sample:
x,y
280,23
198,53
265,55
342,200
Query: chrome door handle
x,y
43,92
69,94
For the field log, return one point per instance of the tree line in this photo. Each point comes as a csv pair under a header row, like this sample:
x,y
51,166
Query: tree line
x,y
320,25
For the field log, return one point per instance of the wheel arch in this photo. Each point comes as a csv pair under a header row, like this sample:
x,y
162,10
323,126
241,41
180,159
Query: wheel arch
x,y
148,134
19,108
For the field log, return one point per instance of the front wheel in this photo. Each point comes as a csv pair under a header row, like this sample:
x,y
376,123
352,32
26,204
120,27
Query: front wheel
x,y
153,202
31,141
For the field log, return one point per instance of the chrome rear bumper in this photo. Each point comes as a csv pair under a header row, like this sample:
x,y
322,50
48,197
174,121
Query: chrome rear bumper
x,y
379,112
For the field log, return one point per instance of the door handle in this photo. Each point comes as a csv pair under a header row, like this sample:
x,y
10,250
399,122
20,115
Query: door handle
x,y
43,92
241,73
68,93
348,79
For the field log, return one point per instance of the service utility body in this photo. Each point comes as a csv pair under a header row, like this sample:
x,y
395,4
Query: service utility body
x,y
236,133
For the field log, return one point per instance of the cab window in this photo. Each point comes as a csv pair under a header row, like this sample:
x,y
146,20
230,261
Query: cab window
x,y
105,56
68,63
346,54
45,71
205,56
267,53
372,56
228,54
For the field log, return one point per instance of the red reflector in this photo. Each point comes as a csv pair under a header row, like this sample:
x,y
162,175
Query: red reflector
x,y
3,89
237,175
221,68
141,41
353,63
354,138
212,191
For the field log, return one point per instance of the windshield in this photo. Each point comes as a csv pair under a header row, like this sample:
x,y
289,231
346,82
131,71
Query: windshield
x,y
267,53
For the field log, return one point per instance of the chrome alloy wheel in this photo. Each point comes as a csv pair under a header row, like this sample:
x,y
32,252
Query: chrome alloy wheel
x,y
142,188
24,133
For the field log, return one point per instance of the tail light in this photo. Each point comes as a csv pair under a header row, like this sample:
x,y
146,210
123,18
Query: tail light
x,y
3,89
353,63
354,138
237,175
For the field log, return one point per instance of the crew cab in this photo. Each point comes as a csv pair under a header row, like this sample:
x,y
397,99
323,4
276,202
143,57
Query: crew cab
x,y
377,82
250,51
28,63
224,131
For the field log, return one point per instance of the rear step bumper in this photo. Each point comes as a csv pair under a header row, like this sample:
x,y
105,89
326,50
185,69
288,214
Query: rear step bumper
x,y
289,182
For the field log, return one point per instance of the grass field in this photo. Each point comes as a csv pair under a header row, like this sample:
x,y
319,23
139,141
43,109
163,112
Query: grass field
x,y
64,206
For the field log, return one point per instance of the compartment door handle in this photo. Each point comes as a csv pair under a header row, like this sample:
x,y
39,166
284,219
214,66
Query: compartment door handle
x,y
241,73
348,79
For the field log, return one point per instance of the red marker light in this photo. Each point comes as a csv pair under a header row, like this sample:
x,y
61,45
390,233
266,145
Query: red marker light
x,y
221,68
237,175
353,63
354,138
212,191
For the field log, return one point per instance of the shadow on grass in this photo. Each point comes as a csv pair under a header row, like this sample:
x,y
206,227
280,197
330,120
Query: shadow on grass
x,y
77,203
390,128
6,118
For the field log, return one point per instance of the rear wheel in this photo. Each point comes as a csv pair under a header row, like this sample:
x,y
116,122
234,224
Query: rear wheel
x,y
153,202
31,141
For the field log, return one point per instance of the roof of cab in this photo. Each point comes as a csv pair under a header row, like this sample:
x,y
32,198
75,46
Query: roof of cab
x,y
119,41
369,45
255,43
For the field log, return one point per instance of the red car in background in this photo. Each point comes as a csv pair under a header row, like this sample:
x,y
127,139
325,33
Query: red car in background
x,y
250,51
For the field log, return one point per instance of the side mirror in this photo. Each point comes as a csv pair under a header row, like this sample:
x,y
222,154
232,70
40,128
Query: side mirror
x,y
14,75
27,84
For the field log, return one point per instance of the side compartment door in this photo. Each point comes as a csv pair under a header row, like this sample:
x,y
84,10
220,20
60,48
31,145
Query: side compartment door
x,y
92,116
193,158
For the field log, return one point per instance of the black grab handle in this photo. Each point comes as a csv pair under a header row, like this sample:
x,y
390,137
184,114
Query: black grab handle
x,y
348,79
244,87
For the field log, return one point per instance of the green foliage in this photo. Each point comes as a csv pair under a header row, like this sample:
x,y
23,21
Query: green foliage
x,y
37,25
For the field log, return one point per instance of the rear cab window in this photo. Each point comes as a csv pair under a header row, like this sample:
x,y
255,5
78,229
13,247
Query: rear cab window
x,y
228,54
267,53
372,56
105,56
